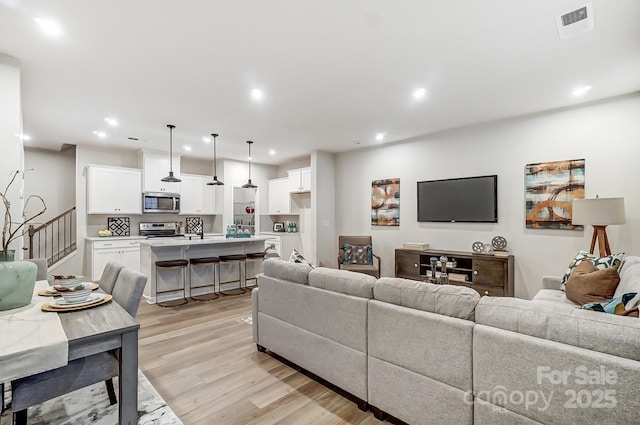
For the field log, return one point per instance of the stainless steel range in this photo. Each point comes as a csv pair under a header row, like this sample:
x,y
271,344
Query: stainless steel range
x,y
159,230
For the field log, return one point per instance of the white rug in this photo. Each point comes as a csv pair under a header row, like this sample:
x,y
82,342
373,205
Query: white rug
x,y
90,405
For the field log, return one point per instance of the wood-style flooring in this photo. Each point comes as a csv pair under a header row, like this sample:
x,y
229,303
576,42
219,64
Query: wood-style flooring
x,y
203,362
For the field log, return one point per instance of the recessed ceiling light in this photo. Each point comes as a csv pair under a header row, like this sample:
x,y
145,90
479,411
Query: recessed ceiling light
x,y
419,93
272,152
186,148
100,134
111,121
49,27
257,94
579,91
380,137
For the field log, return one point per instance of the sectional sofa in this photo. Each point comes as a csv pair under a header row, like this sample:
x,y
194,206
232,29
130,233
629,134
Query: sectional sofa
x,y
431,354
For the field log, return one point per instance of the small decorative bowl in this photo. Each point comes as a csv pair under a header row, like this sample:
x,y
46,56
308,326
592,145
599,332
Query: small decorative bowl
x,y
69,283
77,295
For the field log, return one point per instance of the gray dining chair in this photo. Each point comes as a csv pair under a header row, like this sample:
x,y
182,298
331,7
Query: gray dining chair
x,y
109,275
41,264
31,390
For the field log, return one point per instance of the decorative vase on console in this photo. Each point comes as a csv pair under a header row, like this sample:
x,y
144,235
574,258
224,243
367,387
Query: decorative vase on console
x,y
17,278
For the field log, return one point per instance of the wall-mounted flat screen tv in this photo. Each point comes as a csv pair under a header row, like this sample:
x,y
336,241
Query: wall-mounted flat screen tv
x,y
462,200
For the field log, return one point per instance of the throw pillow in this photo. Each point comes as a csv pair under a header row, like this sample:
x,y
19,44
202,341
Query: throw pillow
x,y
624,305
357,254
587,284
296,257
613,260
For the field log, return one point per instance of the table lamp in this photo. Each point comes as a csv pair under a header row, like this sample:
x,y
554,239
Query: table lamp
x,y
599,213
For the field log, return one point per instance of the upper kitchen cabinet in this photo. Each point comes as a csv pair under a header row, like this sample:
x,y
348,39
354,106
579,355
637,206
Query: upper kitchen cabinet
x,y
300,180
279,197
196,197
155,166
113,190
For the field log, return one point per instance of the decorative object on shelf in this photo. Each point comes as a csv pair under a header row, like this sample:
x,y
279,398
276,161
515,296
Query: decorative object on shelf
x,y
249,209
385,202
550,189
278,226
17,278
478,247
499,242
170,178
599,213
488,249
194,225
119,226
215,181
248,184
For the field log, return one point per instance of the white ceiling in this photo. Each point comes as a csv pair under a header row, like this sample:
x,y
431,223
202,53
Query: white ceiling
x,y
334,72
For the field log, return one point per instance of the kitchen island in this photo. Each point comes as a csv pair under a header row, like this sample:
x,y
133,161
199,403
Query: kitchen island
x,y
160,249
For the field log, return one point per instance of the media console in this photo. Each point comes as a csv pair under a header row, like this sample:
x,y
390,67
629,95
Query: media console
x,y
488,274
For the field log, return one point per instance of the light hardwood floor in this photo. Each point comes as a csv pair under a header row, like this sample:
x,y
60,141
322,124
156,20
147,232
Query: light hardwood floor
x,y
203,362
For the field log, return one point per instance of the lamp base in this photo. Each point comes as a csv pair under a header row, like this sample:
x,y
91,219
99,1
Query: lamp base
x,y
600,234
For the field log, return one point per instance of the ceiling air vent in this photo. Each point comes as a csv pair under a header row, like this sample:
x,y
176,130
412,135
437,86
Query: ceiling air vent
x,y
575,22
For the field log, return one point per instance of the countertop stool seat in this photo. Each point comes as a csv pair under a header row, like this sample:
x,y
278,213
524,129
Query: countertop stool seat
x,y
212,262
252,257
237,260
165,265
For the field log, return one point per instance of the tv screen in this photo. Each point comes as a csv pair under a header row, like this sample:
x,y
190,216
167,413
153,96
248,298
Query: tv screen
x,y
466,200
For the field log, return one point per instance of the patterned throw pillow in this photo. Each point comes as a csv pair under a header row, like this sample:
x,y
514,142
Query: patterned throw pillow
x,y
296,257
357,254
613,260
624,305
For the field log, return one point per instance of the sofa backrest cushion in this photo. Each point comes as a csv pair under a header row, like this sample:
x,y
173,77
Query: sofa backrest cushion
x,y
605,333
343,281
629,277
450,300
286,270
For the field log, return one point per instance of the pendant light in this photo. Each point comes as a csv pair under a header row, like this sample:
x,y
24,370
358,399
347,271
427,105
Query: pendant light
x,y
170,178
215,181
248,184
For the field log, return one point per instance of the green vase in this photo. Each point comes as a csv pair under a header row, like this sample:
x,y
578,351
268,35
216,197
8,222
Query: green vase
x,y
17,280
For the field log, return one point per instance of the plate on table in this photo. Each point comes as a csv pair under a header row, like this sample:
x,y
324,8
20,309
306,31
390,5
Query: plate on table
x,y
61,304
52,292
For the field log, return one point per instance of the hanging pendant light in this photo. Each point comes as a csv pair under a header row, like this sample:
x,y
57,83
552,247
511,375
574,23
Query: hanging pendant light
x,y
215,181
248,184
170,178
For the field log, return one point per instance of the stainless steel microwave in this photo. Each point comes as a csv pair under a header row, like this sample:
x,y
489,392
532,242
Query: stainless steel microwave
x,y
160,202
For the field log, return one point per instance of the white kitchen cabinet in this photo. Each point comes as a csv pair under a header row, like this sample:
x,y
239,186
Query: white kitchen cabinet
x,y
279,197
155,167
300,180
124,251
196,197
114,190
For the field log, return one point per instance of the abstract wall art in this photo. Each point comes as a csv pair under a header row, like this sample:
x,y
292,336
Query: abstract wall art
x,y
385,202
550,188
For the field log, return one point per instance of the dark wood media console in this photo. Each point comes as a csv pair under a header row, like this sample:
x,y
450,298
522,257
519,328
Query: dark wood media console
x,y
488,274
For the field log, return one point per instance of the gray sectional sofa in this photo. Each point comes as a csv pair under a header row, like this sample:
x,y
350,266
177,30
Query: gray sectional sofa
x,y
430,354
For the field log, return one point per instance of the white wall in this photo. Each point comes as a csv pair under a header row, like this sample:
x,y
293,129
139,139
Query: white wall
x,y
606,134
11,158
322,215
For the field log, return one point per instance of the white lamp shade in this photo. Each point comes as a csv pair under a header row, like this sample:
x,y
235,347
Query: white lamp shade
x,y
598,211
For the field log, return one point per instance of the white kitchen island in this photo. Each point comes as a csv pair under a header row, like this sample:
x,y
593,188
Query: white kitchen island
x,y
160,249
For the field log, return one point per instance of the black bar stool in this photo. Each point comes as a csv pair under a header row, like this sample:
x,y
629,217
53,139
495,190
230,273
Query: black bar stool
x,y
233,259
205,261
172,265
252,257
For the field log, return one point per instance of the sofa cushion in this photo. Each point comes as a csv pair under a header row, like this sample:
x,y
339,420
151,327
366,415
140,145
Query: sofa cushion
x,y
613,260
450,300
293,272
587,284
553,296
343,281
629,277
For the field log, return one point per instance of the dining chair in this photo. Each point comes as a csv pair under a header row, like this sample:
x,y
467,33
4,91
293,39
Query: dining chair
x,y
41,264
31,390
109,275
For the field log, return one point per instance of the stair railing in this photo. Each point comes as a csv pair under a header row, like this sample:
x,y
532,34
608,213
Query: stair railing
x,y
54,239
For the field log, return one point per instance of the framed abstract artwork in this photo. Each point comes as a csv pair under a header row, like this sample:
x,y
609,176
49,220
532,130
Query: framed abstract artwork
x,y
550,188
385,202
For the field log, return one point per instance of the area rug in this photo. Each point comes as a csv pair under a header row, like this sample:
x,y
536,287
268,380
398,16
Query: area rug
x,y
90,405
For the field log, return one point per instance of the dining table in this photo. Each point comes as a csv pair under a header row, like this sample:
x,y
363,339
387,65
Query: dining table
x,y
96,329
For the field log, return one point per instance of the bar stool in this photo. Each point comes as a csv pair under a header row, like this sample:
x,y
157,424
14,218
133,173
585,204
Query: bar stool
x,y
233,259
252,257
172,265
205,261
